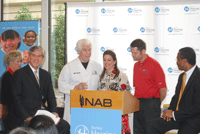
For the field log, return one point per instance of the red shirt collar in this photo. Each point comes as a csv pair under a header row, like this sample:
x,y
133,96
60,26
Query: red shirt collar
x,y
10,70
146,60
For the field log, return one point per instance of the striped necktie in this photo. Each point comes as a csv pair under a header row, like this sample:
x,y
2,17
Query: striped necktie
x,y
36,76
181,91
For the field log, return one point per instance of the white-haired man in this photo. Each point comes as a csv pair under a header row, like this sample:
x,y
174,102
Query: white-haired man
x,y
81,74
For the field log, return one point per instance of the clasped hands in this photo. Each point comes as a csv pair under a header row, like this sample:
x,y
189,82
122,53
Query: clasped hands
x,y
167,115
81,86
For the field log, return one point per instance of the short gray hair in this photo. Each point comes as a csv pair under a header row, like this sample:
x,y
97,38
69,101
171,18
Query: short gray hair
x,y
12,55
36,48
81,42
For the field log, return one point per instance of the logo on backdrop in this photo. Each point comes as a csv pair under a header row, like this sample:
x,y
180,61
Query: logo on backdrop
x,y
103,49
186,8
95,102
77,11
157,9
142,29
199,28
119,31
81,11
174,71
162,11
115,29
170,70
129,49
93,31
175,31
156,50
107,12
147,31
161,51
75,49
191,10
81,129
170,29
134,11
103,10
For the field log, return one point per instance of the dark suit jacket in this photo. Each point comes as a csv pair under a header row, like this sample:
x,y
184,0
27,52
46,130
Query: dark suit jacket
x,y
189,105
6,100
27,94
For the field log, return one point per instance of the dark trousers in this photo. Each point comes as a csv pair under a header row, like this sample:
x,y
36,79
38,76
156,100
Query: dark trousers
x,y
63,127
160,126
149,109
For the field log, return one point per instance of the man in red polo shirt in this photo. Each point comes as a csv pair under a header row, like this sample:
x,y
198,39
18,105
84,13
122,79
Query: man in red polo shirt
x,y
150,86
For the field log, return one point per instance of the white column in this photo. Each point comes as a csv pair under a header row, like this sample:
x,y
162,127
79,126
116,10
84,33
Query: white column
x,y
44,31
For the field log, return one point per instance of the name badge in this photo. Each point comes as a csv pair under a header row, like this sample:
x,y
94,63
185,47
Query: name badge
x,y
94,72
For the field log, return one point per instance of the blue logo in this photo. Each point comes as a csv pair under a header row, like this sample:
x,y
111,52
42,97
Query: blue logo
x,y
129,49
130,10
77,11
75,49
170,70
81,129
157,9
199,28
103,10
103,49
115,29
170,29
89,30
186,8
156,49
142,29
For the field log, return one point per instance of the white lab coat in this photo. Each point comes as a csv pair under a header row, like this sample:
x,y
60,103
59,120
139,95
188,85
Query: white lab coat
x,y
72,74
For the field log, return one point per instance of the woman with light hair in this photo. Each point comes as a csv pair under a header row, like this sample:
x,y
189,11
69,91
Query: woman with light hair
x,y
12,60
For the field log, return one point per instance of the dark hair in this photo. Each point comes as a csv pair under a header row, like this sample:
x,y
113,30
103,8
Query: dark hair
x,y
22,130
113,55
43,125
30,31
10,34
189,54
139,43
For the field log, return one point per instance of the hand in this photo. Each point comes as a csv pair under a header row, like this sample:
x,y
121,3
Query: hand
x,y
167,115
109,89
56,114
81,86
28,119
56,117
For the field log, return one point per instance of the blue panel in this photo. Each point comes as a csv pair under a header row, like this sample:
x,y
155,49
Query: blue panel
x,y
95,121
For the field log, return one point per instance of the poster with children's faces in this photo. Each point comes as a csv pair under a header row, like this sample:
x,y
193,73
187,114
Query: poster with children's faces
x,y
17,35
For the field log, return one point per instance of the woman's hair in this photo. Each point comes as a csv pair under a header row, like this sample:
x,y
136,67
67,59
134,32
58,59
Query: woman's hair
x,y
43,125
81,42
12,55
113,55
10,34
23,130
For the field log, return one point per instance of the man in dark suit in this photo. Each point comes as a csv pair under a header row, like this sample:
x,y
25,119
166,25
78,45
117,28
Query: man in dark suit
x,y
32,88
184,110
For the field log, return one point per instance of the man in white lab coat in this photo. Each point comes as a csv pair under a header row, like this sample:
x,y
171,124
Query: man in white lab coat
x,y
80,74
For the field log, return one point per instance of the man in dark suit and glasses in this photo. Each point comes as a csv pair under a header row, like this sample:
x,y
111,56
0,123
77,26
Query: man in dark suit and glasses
x,y
184,110
31,88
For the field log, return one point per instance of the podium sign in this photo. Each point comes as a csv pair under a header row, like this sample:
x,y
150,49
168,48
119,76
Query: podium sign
x,y
100,112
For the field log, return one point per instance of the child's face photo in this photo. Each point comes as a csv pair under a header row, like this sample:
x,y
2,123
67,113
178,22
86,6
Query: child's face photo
x,y
10,44
30,38
25,56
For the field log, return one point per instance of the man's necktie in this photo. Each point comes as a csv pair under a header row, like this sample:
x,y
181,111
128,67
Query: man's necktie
x,y
35,73
181,91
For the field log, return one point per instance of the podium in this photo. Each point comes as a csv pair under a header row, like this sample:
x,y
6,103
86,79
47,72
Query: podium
x,y
100,112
